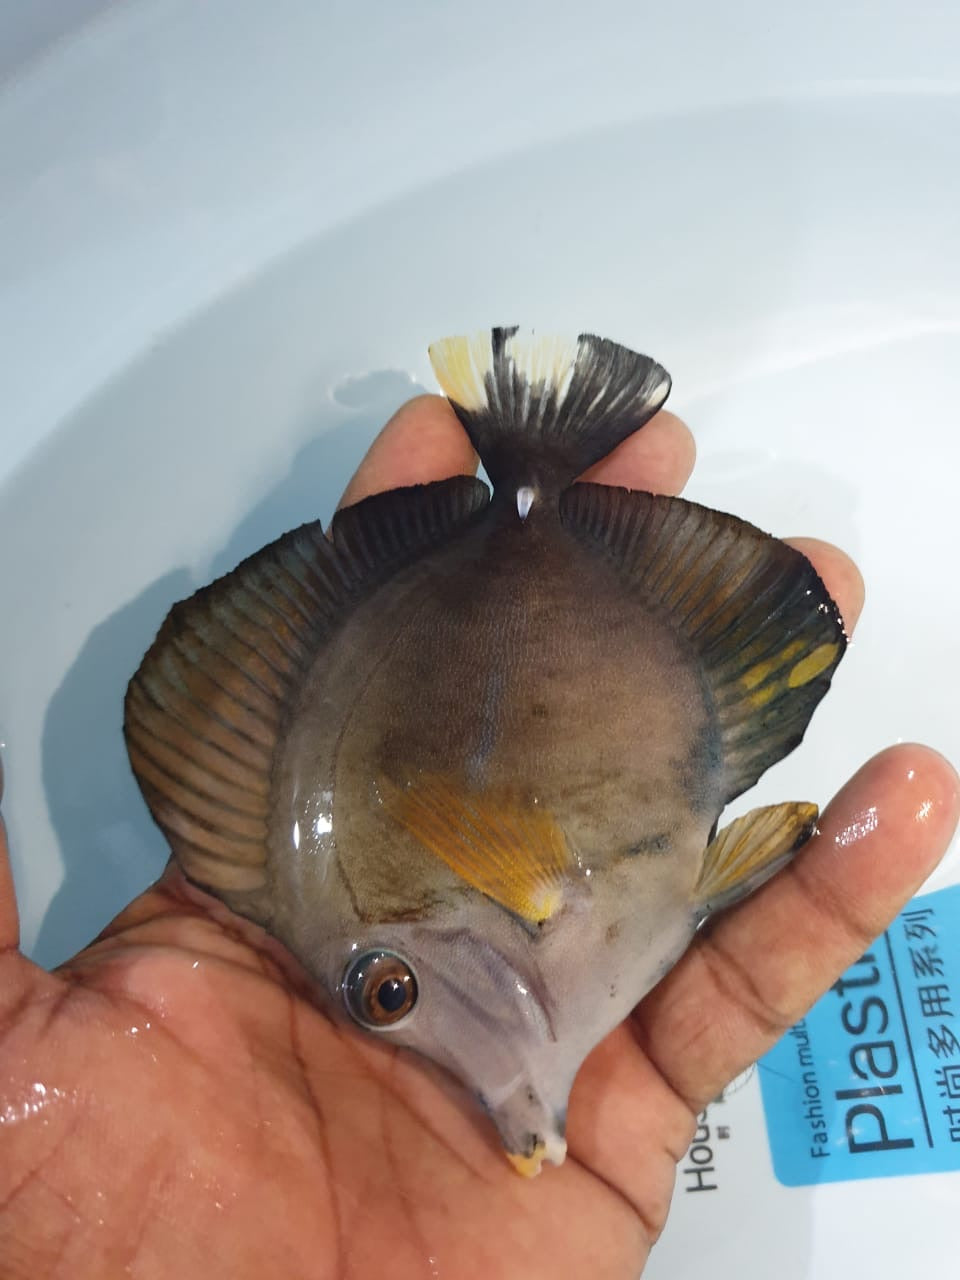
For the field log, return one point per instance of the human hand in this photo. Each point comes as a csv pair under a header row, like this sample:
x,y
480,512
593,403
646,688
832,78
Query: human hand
x,y
172,1104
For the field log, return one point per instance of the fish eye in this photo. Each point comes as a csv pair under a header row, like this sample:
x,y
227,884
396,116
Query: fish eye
x,y
379,989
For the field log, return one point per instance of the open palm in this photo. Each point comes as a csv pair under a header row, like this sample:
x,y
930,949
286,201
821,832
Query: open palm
x,y
172,1103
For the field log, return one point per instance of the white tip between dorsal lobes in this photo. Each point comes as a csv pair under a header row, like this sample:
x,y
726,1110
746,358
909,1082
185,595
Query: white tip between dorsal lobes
x,y
525,497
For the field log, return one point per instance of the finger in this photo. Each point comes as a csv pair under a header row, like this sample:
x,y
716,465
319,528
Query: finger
x,y
758,969
626,1125
839,574
659,458
9,922
422,442
18,977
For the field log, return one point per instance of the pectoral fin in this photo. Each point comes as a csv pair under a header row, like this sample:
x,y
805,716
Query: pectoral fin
x,y
512,852
750,850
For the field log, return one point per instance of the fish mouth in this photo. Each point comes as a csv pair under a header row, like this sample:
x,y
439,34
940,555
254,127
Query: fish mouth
x,y
552,1151
532,1131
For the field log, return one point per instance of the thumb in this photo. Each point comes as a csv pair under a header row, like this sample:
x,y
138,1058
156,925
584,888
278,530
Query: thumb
x,y
18,976
9,923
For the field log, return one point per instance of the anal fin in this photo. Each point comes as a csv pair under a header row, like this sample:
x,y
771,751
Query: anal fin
x,y
752,849
206,712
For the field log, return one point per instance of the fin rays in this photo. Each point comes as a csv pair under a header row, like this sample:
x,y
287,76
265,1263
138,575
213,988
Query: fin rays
x,y
750,851
512,852
204,713
546,408
752,610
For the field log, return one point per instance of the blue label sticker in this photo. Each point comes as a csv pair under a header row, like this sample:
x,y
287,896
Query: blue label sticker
x,y
868,1084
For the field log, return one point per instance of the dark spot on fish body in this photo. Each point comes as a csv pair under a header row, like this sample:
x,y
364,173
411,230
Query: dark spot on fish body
x,y
539,711
387,908
613,931
658,844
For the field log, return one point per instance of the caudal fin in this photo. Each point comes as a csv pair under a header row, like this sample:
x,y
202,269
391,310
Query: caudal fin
x,y
540,411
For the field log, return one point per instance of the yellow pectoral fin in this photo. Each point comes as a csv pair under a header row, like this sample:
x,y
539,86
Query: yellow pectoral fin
x,y
514,853
751,850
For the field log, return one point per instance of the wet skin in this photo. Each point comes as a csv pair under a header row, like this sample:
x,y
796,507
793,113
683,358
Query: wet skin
x,y
172,1104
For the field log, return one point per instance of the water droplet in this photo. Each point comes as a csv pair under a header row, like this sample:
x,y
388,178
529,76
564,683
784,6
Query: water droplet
x,y
861,826
34,1102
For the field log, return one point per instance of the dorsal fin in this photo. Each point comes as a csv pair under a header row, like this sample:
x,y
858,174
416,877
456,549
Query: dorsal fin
x,y
204,712
540,411
511,851
753,611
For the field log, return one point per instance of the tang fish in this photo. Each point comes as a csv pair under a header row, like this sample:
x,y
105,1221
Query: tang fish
x,y
466,756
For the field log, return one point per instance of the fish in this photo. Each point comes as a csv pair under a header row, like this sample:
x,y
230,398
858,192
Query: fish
x,y
465,756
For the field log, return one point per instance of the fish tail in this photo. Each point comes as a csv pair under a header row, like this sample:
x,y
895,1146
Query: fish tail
x,y
540,411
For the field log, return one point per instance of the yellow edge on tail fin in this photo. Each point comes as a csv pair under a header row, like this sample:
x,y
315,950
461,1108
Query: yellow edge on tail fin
x,y
462,365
